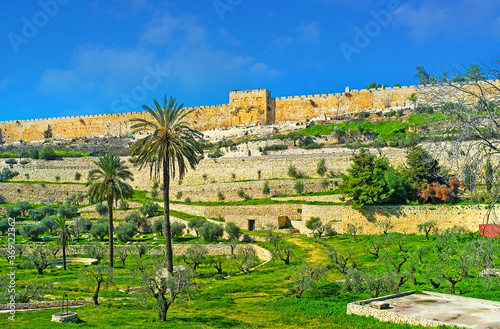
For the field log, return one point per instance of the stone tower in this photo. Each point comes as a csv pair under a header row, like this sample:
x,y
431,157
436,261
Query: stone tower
x,y
250,106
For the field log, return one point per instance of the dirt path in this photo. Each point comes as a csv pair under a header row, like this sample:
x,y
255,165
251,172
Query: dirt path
x,y
317,253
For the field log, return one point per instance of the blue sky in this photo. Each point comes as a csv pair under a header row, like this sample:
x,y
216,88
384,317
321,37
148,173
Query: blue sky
x,y
75,57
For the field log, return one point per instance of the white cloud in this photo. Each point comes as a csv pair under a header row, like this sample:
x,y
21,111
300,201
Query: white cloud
x,y
229,39
280,43
176,44
451,19
165,28
98,69
308,32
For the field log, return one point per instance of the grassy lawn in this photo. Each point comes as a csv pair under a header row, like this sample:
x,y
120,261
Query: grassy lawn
x,y
256,300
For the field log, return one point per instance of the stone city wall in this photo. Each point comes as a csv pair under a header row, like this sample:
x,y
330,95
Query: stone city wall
x,y
245,107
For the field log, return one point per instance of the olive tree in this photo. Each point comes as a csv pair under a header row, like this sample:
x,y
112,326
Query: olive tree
x,y
164,286
98,277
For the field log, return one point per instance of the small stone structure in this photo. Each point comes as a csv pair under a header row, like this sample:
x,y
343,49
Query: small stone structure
x,y
430,309
65,317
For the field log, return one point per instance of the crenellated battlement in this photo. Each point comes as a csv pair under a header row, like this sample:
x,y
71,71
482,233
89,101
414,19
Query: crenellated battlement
x,y
245,107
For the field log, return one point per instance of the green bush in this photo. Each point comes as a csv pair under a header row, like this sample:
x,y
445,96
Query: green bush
x,y
266,190
149,209
11,161
158,226
48,211
210,232
70,154
176,229
32,231
135,217
363,115
101,209
293,172
7,174
125,232
424,109
321,168
33,154
50,223
299,187
67,211
36,214
309,144
216,153
99,230
47,153
276,147
124,204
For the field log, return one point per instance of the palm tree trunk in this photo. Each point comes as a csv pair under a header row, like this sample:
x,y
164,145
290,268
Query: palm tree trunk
x,y
166,213
110,232
64,253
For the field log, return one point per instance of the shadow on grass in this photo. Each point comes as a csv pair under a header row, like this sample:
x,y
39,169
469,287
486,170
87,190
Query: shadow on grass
x,y
215,321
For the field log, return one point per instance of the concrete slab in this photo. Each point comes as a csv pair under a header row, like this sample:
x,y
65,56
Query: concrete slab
x,y
433,309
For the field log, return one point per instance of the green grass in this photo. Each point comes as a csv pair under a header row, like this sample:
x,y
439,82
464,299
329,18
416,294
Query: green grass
x,y
387,129
256,202
233,302
71,154
42,182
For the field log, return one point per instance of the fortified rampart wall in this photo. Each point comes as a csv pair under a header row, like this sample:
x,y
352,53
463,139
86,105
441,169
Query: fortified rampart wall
x,y
244,107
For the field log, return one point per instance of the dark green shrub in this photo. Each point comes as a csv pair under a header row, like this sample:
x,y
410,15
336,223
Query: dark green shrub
x,y
11,161
216,153
135,218
276,147
47,153
363,115
299,187
33,154
7,174
36,214
125,232
67,211
48,211
210,232
78,176
149,209
176,229
99,230
158,226
101,209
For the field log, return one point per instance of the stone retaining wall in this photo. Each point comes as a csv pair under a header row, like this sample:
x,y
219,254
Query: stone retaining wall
x,y
177,249
405,218
253,189
39,193
44,304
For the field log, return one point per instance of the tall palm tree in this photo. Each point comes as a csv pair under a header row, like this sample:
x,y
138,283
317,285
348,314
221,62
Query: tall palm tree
x,y
108,184
64,234
168,150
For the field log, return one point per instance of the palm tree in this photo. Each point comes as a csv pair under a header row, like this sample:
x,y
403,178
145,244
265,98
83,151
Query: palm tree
x,y
108,184
64,233
169,148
